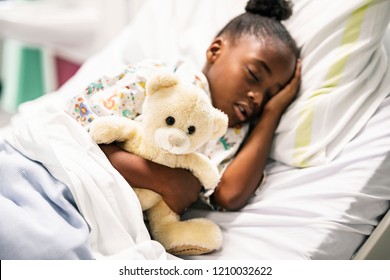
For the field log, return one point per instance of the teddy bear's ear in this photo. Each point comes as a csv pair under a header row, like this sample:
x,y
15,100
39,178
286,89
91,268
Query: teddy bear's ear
x,y
159,81
220,124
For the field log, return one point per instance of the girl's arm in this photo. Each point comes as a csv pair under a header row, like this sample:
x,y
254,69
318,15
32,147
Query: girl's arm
x,y
245,172
178,187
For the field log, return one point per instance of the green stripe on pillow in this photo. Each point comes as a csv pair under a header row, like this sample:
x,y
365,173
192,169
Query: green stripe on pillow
x,y
306,116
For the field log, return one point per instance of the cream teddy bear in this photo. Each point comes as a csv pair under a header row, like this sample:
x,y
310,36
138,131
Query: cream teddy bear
x,y
177,119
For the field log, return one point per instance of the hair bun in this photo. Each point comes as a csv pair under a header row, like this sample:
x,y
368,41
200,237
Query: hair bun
x,y
278,9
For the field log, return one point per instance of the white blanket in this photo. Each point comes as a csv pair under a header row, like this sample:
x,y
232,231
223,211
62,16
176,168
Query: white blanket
x,y
104,198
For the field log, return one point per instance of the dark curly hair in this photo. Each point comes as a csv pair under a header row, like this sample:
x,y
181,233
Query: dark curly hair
x,y
263,20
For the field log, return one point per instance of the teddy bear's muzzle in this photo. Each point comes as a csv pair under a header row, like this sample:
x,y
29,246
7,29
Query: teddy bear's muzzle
x,y
172,140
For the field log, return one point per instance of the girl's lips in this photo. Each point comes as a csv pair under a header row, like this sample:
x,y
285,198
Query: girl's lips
x,y
243,110
240,112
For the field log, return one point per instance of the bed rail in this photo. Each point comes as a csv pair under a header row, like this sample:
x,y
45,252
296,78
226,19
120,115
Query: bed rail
x,y
377,246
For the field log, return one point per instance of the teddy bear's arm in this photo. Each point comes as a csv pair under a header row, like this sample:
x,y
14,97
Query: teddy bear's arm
x,y
105,130
202,168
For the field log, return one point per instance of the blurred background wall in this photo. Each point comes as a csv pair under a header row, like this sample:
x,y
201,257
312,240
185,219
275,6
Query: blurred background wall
x,y
44,42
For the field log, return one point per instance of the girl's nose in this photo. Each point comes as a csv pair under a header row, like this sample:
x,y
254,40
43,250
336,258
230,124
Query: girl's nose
x,y
256,97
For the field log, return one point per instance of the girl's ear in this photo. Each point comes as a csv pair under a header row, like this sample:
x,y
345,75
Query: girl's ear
x,y
214,50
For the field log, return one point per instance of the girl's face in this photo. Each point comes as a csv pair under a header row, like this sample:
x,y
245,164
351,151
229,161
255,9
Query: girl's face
x,y
243,76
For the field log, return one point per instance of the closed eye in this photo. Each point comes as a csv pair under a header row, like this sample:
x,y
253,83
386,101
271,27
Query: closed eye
x,y
267,95
253,75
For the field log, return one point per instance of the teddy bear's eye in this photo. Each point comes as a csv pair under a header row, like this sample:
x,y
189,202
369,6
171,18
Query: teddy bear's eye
x,y
191,129
170,120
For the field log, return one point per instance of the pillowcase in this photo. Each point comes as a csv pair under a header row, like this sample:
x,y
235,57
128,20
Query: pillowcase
x,y
345,77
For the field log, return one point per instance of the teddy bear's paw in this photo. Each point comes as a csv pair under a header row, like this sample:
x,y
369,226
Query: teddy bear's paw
x,y
210,183
191,237
101,132
108,129
101,136
210,178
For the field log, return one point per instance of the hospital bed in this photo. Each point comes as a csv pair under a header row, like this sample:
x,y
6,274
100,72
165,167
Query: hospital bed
x,y
325,196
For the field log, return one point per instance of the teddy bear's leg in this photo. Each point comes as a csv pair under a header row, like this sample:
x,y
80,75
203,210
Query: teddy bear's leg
x,y
190,237
147,198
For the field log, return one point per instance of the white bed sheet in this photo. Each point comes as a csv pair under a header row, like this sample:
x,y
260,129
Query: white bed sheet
x,y
323,212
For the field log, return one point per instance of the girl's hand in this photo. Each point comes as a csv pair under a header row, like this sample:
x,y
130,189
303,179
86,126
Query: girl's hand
x,y
178,187
181,190
280,101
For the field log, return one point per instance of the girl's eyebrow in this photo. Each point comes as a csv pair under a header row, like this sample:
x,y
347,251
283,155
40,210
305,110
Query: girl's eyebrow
x,y
264,66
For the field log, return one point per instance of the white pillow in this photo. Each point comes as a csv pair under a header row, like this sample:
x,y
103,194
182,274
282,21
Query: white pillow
x,y
345,77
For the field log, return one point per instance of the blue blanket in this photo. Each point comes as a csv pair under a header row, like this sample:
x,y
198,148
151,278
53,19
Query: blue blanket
x,y
38,216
